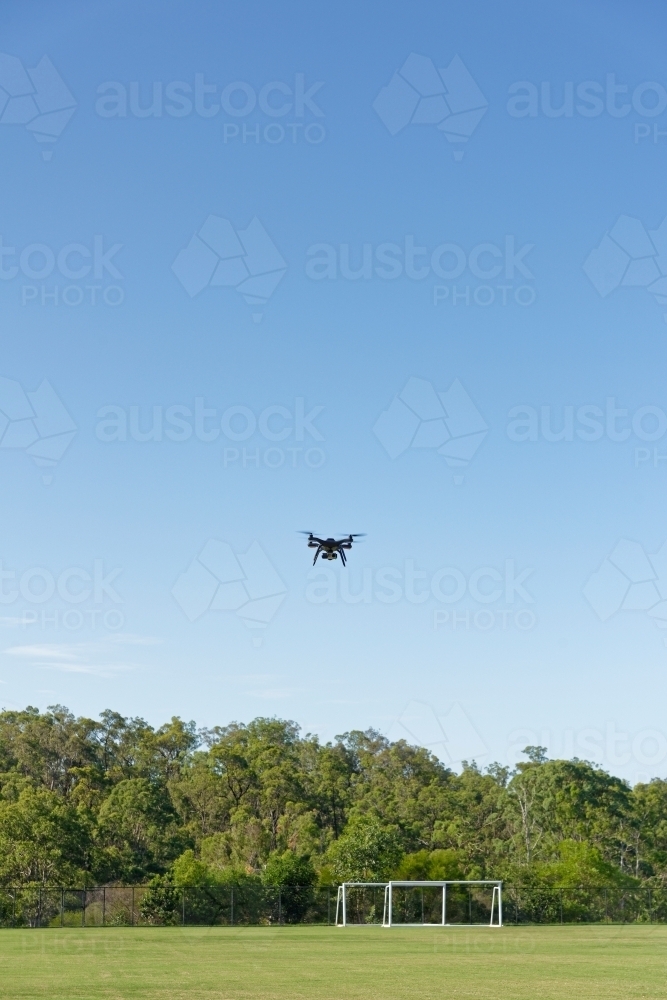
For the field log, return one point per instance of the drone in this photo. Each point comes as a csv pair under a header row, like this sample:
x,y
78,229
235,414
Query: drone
x,y
330,548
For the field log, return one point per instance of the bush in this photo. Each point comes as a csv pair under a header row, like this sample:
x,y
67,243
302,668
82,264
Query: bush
x,y
295,877
161,903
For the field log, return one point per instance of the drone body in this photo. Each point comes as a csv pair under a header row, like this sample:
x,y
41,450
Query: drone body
x,y
330,548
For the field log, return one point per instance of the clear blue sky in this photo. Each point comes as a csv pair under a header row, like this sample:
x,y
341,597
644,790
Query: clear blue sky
x,y
289,213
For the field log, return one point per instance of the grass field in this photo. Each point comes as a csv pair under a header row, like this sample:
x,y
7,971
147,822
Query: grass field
x,y
319,963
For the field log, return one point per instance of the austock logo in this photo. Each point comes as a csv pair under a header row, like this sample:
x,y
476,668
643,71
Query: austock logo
x,y
452,737
218,256
591,99
281,112
35,422
422,418
421,94
220,580
449,585
630,580
85,592
272,425
89,267
485,261
629,256
36,98
605,744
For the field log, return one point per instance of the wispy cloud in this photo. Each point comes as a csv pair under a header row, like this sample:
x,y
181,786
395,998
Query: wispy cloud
x,y
51,651
91,658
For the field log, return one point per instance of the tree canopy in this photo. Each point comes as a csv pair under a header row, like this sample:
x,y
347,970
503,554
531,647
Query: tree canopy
x,y
115,800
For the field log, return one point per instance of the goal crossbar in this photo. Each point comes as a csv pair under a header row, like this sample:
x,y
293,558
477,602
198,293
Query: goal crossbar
x,y
496,919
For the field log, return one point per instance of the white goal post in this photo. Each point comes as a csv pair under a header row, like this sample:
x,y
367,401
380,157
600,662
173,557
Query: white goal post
x,y
343,898
496,902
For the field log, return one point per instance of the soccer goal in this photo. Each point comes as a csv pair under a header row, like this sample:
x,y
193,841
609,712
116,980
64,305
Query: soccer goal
x,y
359,903
443,904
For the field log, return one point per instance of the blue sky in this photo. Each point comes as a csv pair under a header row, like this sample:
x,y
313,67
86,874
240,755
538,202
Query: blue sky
x,y
516,272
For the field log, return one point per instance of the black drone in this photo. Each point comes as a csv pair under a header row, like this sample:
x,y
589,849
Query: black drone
x,y
330,548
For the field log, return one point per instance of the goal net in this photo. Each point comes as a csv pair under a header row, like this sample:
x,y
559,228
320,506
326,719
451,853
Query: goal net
x,y
429,904
360,903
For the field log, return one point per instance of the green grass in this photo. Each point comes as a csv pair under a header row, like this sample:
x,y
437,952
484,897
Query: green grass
x,y
319,963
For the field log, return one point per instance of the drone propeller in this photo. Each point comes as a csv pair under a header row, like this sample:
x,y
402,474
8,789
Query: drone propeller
x,y
305,532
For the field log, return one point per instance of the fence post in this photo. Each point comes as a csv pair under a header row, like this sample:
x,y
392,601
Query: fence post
x,y
329,907
280,906
650,913
62,907
104,905
83,911
561,906
231,918
39,909
14,908
183,907
132,913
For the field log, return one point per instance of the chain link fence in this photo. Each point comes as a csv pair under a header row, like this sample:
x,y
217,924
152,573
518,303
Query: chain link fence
x,y
141,905
557,905
135,906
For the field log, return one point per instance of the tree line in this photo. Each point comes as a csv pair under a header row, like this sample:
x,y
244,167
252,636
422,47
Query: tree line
x,y
113,801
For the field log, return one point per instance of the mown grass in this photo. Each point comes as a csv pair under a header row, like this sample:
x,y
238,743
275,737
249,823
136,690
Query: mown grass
x,y
319,963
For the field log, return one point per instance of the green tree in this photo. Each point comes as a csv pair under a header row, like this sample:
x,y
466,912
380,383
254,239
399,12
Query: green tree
x,y
473,820
649,811
295,877
85,800
366,852
438,865
552,801
401,785
201,798
138,823
162,903
43,840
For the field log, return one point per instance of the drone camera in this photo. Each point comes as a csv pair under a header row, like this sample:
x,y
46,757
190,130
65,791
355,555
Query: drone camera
x,y
330,548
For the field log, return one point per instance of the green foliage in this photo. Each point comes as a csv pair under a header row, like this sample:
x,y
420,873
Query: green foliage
x,y
580,864
288,868
137,821
436,865
161,902
260,805
551,801
43,839
366,852
188,870
295,877
648,830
